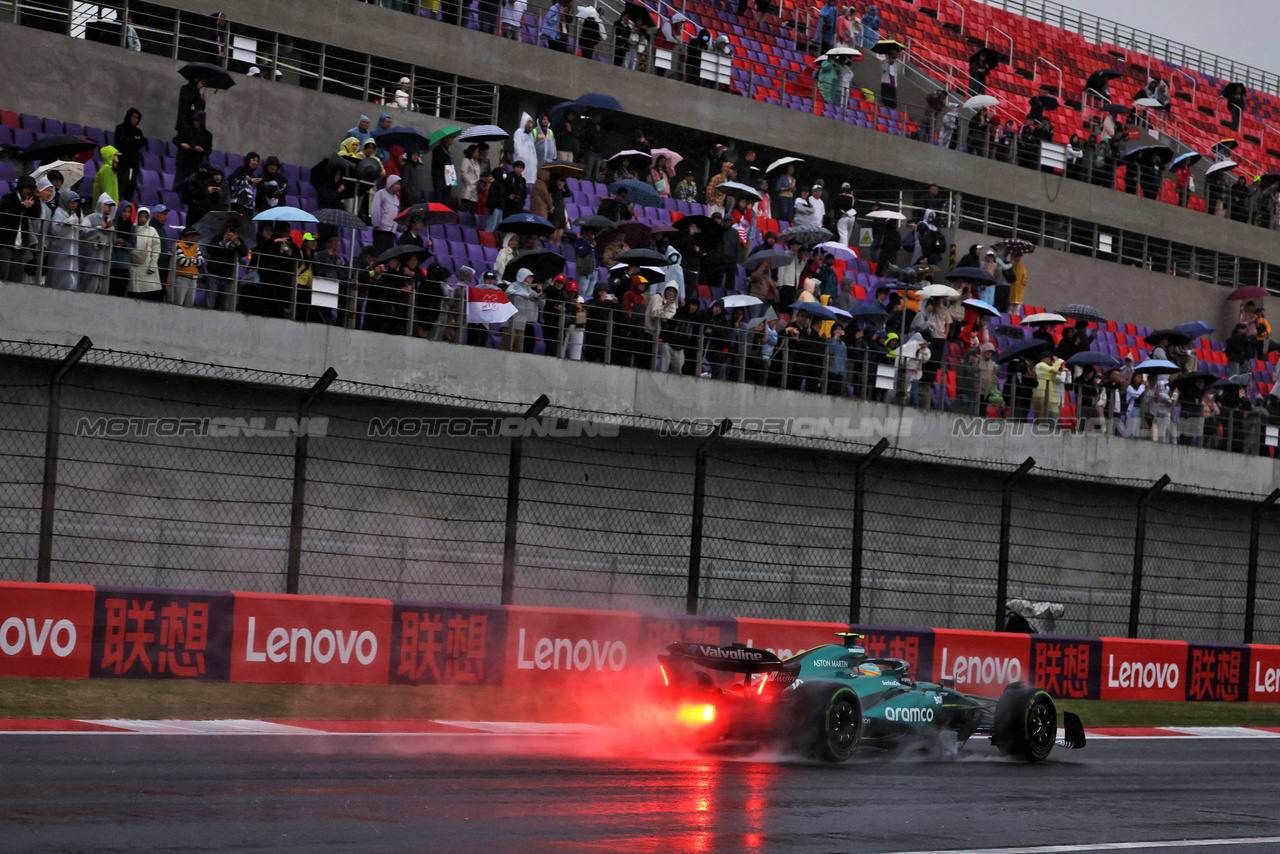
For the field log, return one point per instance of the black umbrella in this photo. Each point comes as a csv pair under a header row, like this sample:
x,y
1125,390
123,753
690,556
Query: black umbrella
x,y
1173,336
408,138
1118,109
599,223
402,251
888,46
776,257
1234,90
1162,153
213,225
805,234
1098,79
1044,103
61,146
644,256
1092,359
543,263
432,213
526,224
1024,349
213,76
1192,378
1011,331
971,274
640,15
989,55
1076,311
1270,180
700,220
339,218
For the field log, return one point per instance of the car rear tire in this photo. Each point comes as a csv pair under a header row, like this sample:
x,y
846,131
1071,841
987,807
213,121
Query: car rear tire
x,y
1026,723
829,721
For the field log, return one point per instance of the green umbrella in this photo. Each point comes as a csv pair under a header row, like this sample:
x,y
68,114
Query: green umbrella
x,y
439,136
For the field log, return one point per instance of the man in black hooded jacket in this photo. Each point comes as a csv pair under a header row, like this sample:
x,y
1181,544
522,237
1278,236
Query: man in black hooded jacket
x,y
129,141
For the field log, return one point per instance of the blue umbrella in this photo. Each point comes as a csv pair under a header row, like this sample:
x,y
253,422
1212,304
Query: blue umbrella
x,y
285,213
1156,366
638,192
816,310
1191,158
596,101
971,274
524,223
982,307
1097,360
869,310
407,138
1196,328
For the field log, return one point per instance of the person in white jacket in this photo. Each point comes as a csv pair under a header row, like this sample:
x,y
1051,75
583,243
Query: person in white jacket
x,y
528,299
662,307
386,204
144,258
523,144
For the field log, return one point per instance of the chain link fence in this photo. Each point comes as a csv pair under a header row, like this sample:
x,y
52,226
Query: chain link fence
x,y
189,482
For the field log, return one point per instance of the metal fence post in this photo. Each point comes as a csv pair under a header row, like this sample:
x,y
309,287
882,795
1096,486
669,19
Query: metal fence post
x,y
1006,522
1251,585
300,479
52,433
695,529
513,504
859,498
1139,549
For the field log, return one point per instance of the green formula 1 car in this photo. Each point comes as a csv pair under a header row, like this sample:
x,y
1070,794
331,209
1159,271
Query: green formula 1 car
x,y
827,702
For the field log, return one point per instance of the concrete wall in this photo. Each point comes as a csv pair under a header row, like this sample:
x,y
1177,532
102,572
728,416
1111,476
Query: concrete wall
x,y
1121,292
297,125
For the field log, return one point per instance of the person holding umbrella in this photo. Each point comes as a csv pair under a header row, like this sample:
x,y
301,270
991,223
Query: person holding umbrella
x,y
889,68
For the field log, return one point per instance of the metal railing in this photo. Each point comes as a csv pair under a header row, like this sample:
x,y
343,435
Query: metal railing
x,y
1103,33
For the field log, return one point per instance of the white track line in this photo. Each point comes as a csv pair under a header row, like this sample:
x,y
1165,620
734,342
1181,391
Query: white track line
x,y
1108,846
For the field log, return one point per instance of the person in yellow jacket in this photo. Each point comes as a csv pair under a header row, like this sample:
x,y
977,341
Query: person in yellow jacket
x,y
107,181
1047,396
1017,289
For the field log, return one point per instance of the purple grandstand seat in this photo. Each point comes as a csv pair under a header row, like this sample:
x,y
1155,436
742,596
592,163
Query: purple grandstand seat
x,y
22,137
453,232
234,161
154,162
466,219
149,178
218,159
31,123
6,135
54,126
148,197
73,129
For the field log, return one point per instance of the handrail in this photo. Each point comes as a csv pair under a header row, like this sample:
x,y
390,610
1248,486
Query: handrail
x,y
1100,31
1195,86
958,6
1036,72
986,39
1132,44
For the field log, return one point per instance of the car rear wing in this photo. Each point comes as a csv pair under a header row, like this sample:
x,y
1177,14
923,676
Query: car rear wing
x,y
734,659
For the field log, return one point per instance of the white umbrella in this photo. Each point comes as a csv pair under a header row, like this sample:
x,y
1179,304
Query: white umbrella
x,y
1219,167
769,314
844,51
630,152
930,291
673,159
840,250
885,215
839,312
783,161
71,171
1148,102
977,102
1044,317
733,188
588,12
740,301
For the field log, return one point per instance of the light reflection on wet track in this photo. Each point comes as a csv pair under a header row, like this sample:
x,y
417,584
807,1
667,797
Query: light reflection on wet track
x,y
532,794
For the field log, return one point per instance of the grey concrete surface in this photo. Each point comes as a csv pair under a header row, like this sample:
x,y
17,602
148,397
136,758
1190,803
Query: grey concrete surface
x,y
91,793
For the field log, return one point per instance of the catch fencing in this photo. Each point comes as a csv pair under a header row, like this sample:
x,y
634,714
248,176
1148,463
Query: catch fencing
x,y
150,480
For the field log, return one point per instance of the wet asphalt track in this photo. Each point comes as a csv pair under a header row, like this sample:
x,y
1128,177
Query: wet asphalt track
x,y
429,794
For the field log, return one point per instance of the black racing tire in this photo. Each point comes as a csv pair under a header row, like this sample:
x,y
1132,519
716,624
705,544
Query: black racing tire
x,y
1026,723
828,721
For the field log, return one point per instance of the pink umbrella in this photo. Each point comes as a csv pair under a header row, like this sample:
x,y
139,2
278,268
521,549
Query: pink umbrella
x,y
673,159
1248,292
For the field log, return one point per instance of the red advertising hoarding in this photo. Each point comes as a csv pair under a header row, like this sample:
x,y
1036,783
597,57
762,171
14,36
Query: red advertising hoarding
x,y
1143,669
562,647
785,638
311,640
981,663
46,630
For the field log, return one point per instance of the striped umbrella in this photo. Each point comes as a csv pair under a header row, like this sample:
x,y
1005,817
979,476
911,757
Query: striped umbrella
x,y
483,133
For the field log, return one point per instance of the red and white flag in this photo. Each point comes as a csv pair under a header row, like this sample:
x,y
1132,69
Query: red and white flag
x,y
487,305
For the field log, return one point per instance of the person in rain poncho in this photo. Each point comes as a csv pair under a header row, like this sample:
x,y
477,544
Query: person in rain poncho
x,y
544,141
510,248
144,279
106,181
911,361
829,81
522,142
96,239
1047,396
528,299
62,249
362,132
